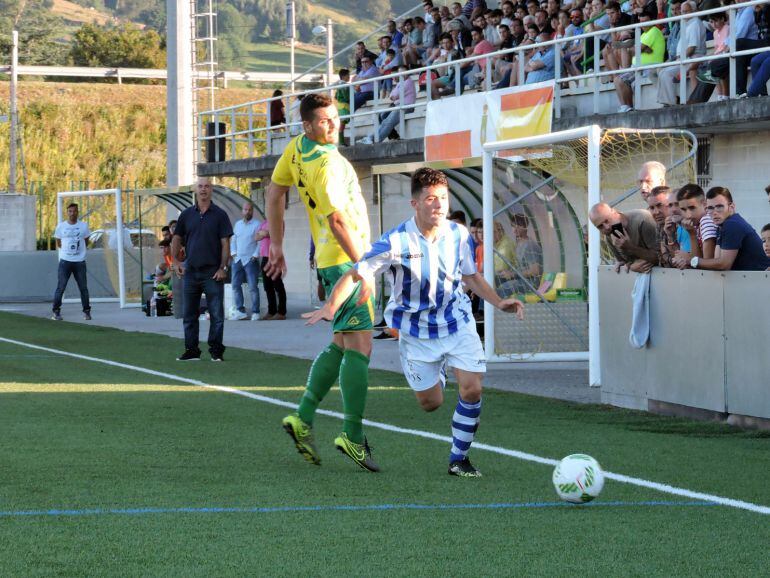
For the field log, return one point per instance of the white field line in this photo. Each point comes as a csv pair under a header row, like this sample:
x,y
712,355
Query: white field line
x,y
665,488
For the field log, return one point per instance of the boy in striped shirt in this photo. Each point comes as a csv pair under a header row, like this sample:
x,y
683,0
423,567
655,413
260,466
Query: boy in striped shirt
x,y
428,260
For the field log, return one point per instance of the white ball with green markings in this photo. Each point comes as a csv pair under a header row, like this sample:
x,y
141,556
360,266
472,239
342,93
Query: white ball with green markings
x,y
578,478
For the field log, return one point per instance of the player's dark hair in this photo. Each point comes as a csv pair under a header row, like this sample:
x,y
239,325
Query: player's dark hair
x,y
310,103
767,189
171,222
613,6
690,191
165,228
458,216
765,228
714,192
164,243
660,190
344,72
73,205
520,220
427,177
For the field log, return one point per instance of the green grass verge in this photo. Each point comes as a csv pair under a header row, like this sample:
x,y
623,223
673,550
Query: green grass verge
x,y
76,434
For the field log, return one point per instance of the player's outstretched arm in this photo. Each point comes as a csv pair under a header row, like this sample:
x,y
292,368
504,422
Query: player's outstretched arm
x,y
480,287
275,204
342,290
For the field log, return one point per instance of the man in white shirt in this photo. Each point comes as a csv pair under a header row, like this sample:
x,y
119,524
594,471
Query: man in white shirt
x,y
692,44
71,238
244,251
430,264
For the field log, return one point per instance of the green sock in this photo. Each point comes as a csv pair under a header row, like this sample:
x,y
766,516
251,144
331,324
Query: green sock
x,y
323,374
354,383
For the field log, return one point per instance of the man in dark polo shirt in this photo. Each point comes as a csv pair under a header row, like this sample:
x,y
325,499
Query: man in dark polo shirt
x,y
204,230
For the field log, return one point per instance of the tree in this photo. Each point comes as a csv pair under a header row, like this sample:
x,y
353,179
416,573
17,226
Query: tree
x,y
125,46
38,33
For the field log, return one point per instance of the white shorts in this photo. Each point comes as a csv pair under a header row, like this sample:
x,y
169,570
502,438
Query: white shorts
x,y
425,360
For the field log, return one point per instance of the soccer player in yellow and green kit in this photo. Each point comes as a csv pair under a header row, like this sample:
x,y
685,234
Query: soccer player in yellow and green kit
x,y
328,186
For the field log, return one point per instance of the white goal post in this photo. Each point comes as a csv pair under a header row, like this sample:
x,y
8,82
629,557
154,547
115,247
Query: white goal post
x,y
592,134
119,235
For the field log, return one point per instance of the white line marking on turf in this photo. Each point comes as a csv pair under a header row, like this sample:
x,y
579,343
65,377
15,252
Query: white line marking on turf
x,y
665,488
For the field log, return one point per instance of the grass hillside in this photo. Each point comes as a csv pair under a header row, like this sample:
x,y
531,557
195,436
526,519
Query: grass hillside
x,y
105,134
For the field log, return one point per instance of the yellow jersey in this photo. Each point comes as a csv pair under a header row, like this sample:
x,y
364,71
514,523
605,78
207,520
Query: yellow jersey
x,y
327,183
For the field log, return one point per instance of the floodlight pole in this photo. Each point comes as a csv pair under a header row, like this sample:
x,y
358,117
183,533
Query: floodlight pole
x,y
14,113
291,32
329,52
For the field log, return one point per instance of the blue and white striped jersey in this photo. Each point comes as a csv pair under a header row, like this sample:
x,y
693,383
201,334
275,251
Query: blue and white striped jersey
x,y
427,298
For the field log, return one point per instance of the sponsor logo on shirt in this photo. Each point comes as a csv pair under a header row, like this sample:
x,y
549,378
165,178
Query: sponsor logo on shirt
x,y
407,256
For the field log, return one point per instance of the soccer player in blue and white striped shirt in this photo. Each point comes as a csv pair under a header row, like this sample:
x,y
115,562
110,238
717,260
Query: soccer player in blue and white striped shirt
x,y
428,259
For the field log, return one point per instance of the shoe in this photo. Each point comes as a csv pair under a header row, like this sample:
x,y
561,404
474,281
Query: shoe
x,y
366,140
189,355
279,317
463,469
216,357
381,324
87,315
741,95
359,453
384,335
722,97
625,108
56,316
268,317
239,316
302,434
255,316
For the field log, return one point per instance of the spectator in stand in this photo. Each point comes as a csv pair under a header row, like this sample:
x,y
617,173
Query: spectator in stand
x,y
362,51
474,8
427,7
674,30
246,262
766,239
573,52
71,240
426,36
657,203
165,233
674,220
618,52
599,20
541,66
517,31
462,42
436,28
720,69
651,174
511,77
342,96
387,62
631,236
389,120
653,51
395,34
457,13
411,44
746,38
739,246
760,63
692,44
532,7
480,46
430,34
444,84
445,13
698,223
491,33
507,9
542,20
274,289
365,92
277,109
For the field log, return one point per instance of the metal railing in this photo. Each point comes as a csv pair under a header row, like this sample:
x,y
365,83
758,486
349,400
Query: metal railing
x,y
589,39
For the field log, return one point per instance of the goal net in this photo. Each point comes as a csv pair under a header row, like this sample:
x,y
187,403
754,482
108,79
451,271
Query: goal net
x,y
110,254
537,192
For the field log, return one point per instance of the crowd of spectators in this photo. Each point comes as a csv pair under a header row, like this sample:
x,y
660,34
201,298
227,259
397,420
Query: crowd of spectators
x,y
685,229
446,33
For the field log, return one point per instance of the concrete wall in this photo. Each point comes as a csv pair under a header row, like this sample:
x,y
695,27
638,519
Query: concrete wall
x,y
707,348
17,222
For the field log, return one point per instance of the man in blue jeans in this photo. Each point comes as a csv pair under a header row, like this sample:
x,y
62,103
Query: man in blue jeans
x,y
244,250
71,238
204,230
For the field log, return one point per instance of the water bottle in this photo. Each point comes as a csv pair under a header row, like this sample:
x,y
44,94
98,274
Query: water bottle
x,y
153,304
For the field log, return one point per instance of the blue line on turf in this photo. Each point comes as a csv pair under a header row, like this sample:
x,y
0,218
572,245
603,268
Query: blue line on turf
x,y
342,508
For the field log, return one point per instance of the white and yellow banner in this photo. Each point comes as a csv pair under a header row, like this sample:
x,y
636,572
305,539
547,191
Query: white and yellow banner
x,y
456,128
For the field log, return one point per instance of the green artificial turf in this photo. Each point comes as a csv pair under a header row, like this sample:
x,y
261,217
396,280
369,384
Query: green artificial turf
x,y
78,435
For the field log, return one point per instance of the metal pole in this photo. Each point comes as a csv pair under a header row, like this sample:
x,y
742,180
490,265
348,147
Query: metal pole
x,y
14,112
329,52
292,39
594,257
121,257
487,214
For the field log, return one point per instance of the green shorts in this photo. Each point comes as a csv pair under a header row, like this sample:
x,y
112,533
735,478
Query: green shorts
x,y
349,317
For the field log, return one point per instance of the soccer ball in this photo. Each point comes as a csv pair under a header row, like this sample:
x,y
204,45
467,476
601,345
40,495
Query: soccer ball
x,y
578,478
